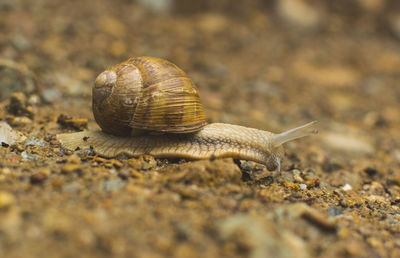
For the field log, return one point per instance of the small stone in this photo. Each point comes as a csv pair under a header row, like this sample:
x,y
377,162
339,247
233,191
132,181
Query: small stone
x,y
374,119
335,211
70,168
299,13
21,42
302,210
395,24
110,25
303,186
374,242
117,163
15,77
377,199
332,164
267,180
372,6
32,141
75,123
51,95
185,192
5,171
72,187
347,187
212,23
258,236
38,178
136,174
350,143
113,184
296,176
124,174
73,159
33,99
6,199
144,162
44,171
370,171
29,156
19,121
19,106
8,135
157,6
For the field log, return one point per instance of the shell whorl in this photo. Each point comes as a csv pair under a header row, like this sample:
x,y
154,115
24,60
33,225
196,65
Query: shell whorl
x,y
146,93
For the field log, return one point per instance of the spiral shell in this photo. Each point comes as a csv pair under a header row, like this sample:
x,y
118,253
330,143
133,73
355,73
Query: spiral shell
x,y
146,93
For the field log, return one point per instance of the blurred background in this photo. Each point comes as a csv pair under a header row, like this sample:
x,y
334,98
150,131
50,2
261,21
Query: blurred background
x,y
271,64
267,64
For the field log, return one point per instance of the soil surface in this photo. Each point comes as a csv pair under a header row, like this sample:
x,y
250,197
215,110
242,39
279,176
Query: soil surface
x,y
272,65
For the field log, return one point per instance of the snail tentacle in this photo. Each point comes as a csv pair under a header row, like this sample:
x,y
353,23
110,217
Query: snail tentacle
x,y
295,133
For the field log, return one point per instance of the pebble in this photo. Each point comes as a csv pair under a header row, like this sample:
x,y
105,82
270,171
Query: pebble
x,y
347,187
19,105
38,178
21,42
296,176
72,187
263,88
157,6
109,25
15,77
335,211
212,23
144,162
349,143
19,121
69,122
328,76
32,141
73,159
136,174
303,186
297,211
370,171
51,95
5,171
8,135
6,199
29,156
394,21
299,13
113,184
70,168
372,6
259,236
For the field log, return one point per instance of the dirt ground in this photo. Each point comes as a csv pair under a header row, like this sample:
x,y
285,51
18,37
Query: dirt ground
x,y
272,65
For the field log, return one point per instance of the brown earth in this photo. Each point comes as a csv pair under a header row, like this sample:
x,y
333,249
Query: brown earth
x,y
272,65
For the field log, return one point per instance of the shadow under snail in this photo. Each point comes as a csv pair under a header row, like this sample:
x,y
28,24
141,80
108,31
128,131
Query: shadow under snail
x,y
148,105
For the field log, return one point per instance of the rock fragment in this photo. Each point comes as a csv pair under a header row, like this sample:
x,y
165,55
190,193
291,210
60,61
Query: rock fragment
x,y
8,136
74,123
6,199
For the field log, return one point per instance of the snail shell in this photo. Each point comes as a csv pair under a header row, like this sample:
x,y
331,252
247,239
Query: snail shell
x,y
146,93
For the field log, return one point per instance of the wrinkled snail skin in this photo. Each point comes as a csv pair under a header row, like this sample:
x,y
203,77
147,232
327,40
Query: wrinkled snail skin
x,y
214,140
148,105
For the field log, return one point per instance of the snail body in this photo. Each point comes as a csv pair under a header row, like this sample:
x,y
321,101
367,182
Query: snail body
x,y
149,106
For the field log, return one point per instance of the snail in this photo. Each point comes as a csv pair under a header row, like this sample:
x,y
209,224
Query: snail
x,y
148,105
